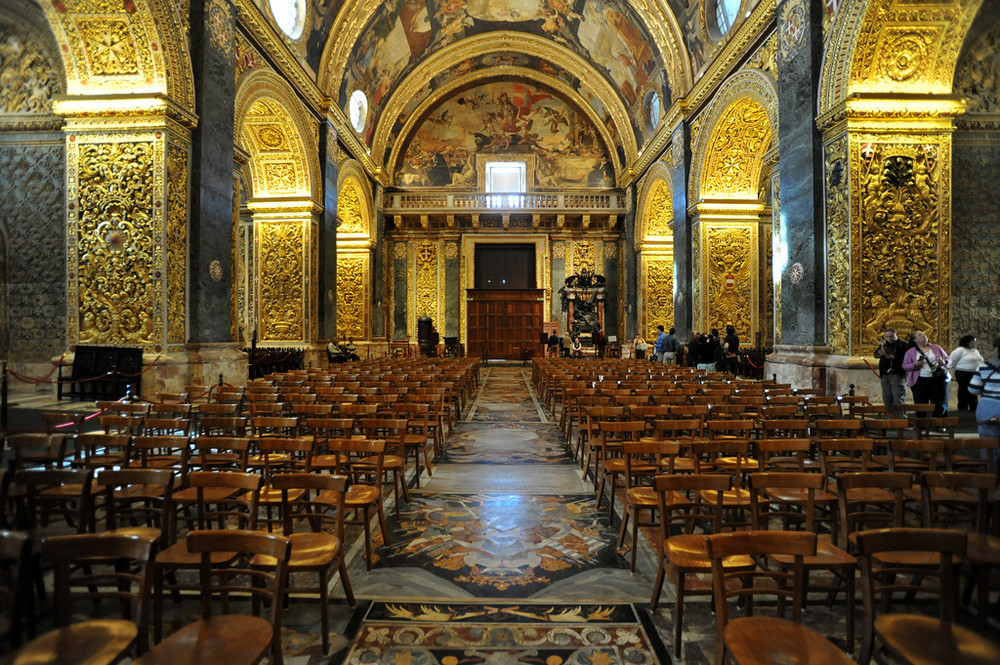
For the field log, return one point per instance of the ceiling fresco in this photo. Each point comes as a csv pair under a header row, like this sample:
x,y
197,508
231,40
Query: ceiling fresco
x,y
510,119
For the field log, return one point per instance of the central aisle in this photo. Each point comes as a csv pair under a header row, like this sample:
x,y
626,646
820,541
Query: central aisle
x,y
505,516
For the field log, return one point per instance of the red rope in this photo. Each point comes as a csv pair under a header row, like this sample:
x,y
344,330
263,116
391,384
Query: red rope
x,y
28,379
874,371
752,365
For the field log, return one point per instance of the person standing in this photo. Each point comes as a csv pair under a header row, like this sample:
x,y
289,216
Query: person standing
x,y
640,347
731,345
553,344
986,384
890,353
670,348
660,345
965,360
926,366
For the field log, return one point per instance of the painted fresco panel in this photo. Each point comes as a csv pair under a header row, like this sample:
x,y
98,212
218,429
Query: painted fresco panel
x,y
404,32
505,118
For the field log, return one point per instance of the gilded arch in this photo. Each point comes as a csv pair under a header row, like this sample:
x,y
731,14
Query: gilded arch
x,y
893,46
274,129
355,244
110,48
655,248
739,129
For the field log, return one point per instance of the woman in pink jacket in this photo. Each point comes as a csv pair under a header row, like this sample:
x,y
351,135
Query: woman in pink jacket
x,y
926,368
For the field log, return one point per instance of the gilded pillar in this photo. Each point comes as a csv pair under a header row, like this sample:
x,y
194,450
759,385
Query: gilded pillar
x,y
887,186
127,222
655,248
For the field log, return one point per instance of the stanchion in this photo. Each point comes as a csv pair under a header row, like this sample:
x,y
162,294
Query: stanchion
x,y
3,398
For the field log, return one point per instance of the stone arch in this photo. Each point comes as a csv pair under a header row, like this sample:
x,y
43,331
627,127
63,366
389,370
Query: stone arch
x,y
739,128
114,49
272,126
888,46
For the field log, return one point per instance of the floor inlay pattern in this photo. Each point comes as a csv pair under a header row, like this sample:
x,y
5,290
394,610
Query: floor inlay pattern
x,y
473,634
509,443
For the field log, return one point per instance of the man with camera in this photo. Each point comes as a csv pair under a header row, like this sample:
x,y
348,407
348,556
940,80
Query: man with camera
x,y
890,352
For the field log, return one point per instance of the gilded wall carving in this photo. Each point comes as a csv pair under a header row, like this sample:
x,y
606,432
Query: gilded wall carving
x,y
659,212
427,291
113,231
246,321
977,76
838,246
976,242
352,299
658,283
766,252
730,277
177,214
111,50
282,304
29,75
738,141
350,212
698,309
766,56
901,261
32,210
584,258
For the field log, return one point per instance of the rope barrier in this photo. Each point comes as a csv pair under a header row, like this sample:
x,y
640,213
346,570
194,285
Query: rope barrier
x,y
874,371
28,379
45,379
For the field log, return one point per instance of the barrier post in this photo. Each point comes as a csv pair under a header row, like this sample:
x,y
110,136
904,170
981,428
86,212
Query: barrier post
x,y
3,398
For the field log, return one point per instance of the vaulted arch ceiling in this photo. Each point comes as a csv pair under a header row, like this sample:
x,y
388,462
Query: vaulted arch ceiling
x,y
606,58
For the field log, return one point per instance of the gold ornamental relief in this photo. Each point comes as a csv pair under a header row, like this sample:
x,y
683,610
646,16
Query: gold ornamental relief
x,y
351,296
426,262
177,217
29,73
584,258
271,137
903,281
776,248
350,212
115,249
838,246
111,50
659,212
730,277
738,142
659,292
698,306
282,305
280,177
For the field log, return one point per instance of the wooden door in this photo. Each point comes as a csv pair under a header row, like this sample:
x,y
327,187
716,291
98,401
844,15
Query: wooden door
x,y
504,323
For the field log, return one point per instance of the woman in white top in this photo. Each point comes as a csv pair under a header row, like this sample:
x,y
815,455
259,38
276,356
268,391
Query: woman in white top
x,y
926,366
965,360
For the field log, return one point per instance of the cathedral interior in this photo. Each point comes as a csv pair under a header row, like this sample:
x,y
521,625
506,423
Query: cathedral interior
x,y
193,178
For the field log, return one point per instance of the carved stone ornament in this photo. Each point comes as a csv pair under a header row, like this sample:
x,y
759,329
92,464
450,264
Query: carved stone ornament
x,y
215,270
792,25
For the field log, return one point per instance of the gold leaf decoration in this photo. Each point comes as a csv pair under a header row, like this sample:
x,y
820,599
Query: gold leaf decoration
x,y
110,48
115,243
730,276
281,277
350,216
738,141
659,294
28,75
838,246
659,212
584,257
351,296
176,259
426,278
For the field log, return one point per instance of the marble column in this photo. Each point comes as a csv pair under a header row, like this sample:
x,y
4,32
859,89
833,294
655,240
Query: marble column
x,y
379,290
326,288
629,280
680,159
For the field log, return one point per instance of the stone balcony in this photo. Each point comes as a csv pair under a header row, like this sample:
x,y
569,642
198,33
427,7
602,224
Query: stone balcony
x,y
523,211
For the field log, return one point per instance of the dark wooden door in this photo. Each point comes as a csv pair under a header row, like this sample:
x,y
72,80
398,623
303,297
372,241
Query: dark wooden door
x,y
503,323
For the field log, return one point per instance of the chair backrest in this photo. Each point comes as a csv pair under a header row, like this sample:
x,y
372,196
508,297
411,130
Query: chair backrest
x,y
320,508
138,497
87,567
363,459
784,454
758,580
682,500
46,489
795,428
30,450
219,452
236,508
765,510
222,426
880,581
238,575
679,428
868,498
730,428
647,458
953,498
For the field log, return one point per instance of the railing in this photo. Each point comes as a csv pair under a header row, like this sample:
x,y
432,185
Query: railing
x,y
527,202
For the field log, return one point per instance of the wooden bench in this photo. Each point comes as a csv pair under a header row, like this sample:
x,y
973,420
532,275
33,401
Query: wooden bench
x,y
101,372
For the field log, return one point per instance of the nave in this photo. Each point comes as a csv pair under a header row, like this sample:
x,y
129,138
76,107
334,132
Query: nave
x,y
507,529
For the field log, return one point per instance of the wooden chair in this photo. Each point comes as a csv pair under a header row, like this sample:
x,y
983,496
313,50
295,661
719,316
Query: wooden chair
x,y
219,453
911,638
162,452
315,502
221,499
975,454
869,499
790,499
758,640
419,429
362,461
37,450
684,557
138,502
609,458
643,461
55,502
96,641
234,639
392,431
102,450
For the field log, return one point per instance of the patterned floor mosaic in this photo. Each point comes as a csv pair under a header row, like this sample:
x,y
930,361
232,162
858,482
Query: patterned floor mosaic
x,y
473,634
